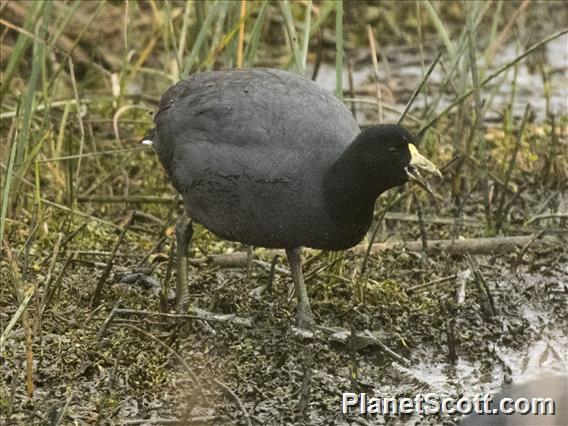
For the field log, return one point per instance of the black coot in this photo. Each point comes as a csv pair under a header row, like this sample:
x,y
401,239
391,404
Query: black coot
x,y
267,158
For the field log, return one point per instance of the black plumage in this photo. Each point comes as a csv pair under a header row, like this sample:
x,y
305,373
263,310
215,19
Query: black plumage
x,y
267,158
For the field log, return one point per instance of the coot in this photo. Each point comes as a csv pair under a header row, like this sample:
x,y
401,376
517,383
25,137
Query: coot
x,y
267,158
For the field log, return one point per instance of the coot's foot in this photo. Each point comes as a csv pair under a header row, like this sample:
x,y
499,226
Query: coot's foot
x,y
304,316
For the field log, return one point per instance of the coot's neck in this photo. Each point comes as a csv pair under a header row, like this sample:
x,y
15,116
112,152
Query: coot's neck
x,y
355,180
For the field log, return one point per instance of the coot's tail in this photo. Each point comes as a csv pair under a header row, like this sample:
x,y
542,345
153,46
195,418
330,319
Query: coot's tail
x,y
149,138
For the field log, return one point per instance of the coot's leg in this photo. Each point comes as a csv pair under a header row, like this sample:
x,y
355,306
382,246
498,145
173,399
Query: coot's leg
x,y
304,316
184,232
250,254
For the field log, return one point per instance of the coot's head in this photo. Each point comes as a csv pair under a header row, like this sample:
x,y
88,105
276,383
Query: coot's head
x,y
391,157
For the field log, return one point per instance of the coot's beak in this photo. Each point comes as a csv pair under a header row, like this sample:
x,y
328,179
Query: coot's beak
x,y
419,162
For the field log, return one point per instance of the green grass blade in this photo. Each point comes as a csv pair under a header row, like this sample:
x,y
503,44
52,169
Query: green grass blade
x,y
292,35
306,38
228,38
200,40
22,43
27,107
325,9
217,35
482,148
339,49
419,88
455,62
252,47
171,33
7,187
183,34
440,28
60,27
493,32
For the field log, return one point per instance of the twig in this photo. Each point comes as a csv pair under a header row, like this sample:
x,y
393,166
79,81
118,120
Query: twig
x,y
113,152
373,48
390,202
79,118
351,86
386,106
526,246
435,247
473,245
386,349
153,250
126,199
28,244
483,283
148,216
500,213
26,299
64,409
306,36
241,40
292,36
339,48
108,321
115,118
228,390
29,340
200,314
546,216
361,341
269,266
319,56
405,217
73,211
423,234
430,283
505,32
28,335
98,290
48,280
72,235
13,390
419,88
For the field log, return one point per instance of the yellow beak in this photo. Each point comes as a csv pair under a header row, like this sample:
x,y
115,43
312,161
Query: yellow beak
x,y
419,162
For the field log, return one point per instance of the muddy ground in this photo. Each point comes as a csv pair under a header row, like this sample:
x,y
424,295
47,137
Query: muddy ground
x,y
281,377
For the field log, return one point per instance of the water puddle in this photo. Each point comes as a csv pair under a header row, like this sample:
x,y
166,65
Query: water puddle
x,y
404,73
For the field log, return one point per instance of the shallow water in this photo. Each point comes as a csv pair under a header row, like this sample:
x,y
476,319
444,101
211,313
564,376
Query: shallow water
x,y
404,73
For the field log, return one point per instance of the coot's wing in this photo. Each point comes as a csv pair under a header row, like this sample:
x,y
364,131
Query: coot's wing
x,y
257,109
247,150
